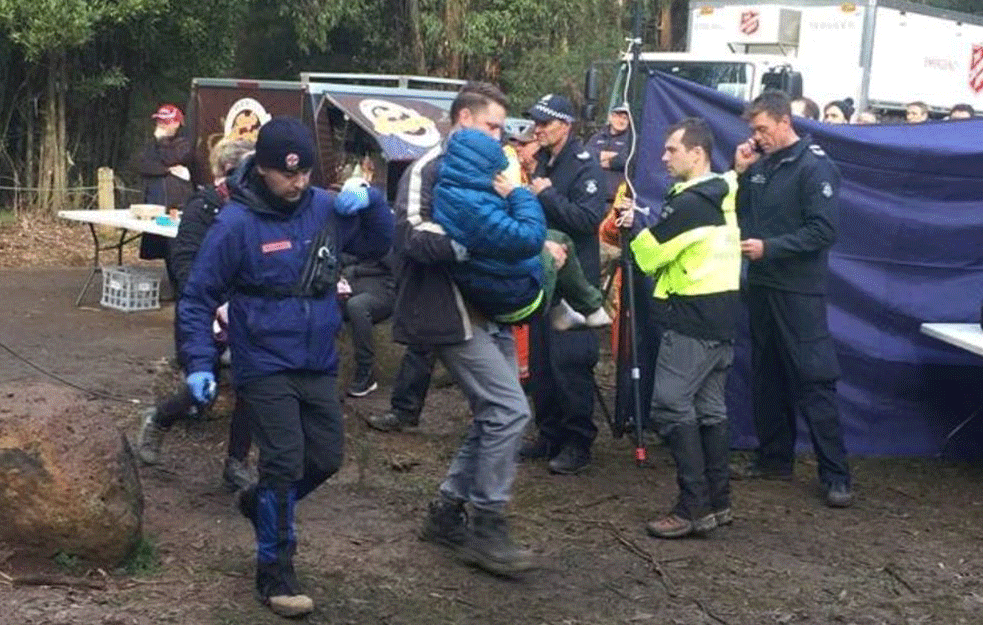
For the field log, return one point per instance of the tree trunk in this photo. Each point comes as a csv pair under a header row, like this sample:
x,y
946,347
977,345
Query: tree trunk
x,y
416,37
52,170
454,13
665,25
30,157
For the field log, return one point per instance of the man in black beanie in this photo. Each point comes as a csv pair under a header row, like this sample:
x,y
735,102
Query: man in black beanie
x,y
273,253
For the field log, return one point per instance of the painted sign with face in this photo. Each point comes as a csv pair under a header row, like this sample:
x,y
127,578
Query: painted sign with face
x,y
404,128
244,119
221,109
390,118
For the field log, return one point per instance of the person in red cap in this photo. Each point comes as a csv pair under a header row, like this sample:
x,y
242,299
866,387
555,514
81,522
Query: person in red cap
x,y
163,165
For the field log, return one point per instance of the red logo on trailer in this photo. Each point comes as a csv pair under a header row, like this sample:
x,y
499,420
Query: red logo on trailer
x,y
750,22
976,68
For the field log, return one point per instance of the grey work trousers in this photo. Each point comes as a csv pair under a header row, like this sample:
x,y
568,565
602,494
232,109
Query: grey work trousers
x,y
689,410
485,369
690,376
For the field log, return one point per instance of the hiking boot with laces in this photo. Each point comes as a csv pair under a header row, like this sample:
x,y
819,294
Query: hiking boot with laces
x,y
489,546
446,523
237,474
675,526
151,437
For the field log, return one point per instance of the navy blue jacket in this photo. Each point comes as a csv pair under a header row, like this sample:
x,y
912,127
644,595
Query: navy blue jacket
x,y
503,236
577,201
606,140
790,200
253,245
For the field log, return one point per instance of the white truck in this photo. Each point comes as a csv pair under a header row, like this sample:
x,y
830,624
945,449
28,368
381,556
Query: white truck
x,y
881,53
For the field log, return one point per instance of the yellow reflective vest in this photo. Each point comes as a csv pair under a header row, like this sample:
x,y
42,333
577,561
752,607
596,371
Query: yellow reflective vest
x,y
694,253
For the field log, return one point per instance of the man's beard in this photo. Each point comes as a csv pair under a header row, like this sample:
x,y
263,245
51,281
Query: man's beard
x,y
161,132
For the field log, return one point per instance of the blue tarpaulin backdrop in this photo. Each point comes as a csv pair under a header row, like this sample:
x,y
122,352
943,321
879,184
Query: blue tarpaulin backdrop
x,y
909,250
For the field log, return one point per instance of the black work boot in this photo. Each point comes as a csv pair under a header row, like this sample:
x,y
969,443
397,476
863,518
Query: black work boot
x,y
716,454
571,460
446,523
392,421
277,588
489,547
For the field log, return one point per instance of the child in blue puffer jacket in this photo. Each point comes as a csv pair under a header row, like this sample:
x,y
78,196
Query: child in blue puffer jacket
x,y
507,274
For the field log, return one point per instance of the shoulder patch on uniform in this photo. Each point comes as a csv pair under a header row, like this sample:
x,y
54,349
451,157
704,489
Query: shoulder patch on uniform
x,y
667,210
584,155
818,151
827,189
591,186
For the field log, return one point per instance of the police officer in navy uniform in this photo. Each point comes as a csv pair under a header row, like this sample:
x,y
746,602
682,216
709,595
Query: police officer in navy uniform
x,y
274,248
788,203
571,186
610,146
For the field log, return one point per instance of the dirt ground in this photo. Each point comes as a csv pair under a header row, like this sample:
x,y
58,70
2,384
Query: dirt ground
x,y
907,553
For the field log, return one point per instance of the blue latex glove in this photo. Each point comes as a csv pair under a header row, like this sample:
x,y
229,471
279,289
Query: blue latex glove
x,y
202,386
354,196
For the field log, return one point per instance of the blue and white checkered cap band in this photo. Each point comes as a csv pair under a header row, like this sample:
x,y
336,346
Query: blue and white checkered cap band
x,y
553,113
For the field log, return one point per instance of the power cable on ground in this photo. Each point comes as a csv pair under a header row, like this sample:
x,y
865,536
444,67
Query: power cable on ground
x,y
58,378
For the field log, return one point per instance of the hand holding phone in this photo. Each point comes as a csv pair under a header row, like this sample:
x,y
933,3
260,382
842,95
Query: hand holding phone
x,y
746,155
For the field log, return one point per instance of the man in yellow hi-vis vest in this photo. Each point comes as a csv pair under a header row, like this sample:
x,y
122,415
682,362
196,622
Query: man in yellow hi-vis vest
x,y
695,255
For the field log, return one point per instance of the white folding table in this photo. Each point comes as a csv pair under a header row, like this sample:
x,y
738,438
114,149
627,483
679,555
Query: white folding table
x,y
120,219
967,336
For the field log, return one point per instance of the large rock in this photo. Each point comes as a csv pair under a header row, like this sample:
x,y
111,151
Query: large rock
x,y
68,479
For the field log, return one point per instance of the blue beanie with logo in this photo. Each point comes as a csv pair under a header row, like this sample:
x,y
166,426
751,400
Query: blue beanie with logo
x,y
286,144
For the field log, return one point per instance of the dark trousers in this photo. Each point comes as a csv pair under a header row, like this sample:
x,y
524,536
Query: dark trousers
x,y
297,426
795,370
561,366
413,381
362,311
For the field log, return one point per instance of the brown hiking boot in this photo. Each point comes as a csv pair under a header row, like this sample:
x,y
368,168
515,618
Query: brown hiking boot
x,y
151,437
674,526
